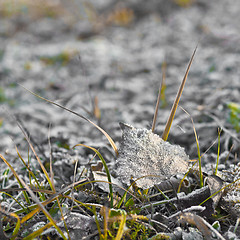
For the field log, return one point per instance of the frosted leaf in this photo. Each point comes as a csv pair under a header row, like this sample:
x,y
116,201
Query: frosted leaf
x,y
144,153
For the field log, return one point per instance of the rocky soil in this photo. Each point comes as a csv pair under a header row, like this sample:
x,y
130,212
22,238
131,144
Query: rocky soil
x,y
103,60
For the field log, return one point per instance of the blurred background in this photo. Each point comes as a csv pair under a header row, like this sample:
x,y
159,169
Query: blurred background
x,y
104,58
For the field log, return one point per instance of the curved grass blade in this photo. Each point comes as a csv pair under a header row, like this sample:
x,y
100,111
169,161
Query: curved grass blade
x,y
79,115
186,174
198,149
177,99
17,227
9,195
119,204
106,169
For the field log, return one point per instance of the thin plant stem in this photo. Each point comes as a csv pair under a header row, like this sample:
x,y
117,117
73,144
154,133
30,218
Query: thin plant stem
x,y
218,154
198,149
159,95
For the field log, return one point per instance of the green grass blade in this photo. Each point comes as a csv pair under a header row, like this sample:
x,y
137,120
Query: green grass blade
x,y
186,174
17,227
199,157
226,186
198,149
218,153
177,99
106,169
9,195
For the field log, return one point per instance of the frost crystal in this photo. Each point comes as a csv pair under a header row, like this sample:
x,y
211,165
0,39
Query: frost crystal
x,y
144,153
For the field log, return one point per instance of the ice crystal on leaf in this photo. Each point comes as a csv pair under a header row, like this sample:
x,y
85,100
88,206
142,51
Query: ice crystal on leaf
x,y
143,153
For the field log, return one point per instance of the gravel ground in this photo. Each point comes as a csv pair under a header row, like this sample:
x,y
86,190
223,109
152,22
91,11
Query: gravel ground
x,y
91,53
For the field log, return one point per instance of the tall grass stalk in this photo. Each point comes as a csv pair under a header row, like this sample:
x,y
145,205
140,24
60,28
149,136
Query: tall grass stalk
x,y
177,99
199,156
218,153
164,65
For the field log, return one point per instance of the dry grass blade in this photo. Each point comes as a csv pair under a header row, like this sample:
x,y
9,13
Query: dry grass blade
x,y
38,159
17,227
49,200
24,189
177,99
79,115
50,158
203,226
38,232
122,225
164,65
16,176
40,205
105,212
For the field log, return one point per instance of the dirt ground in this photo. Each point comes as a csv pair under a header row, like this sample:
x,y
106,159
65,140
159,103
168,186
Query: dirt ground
x,y
103,59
